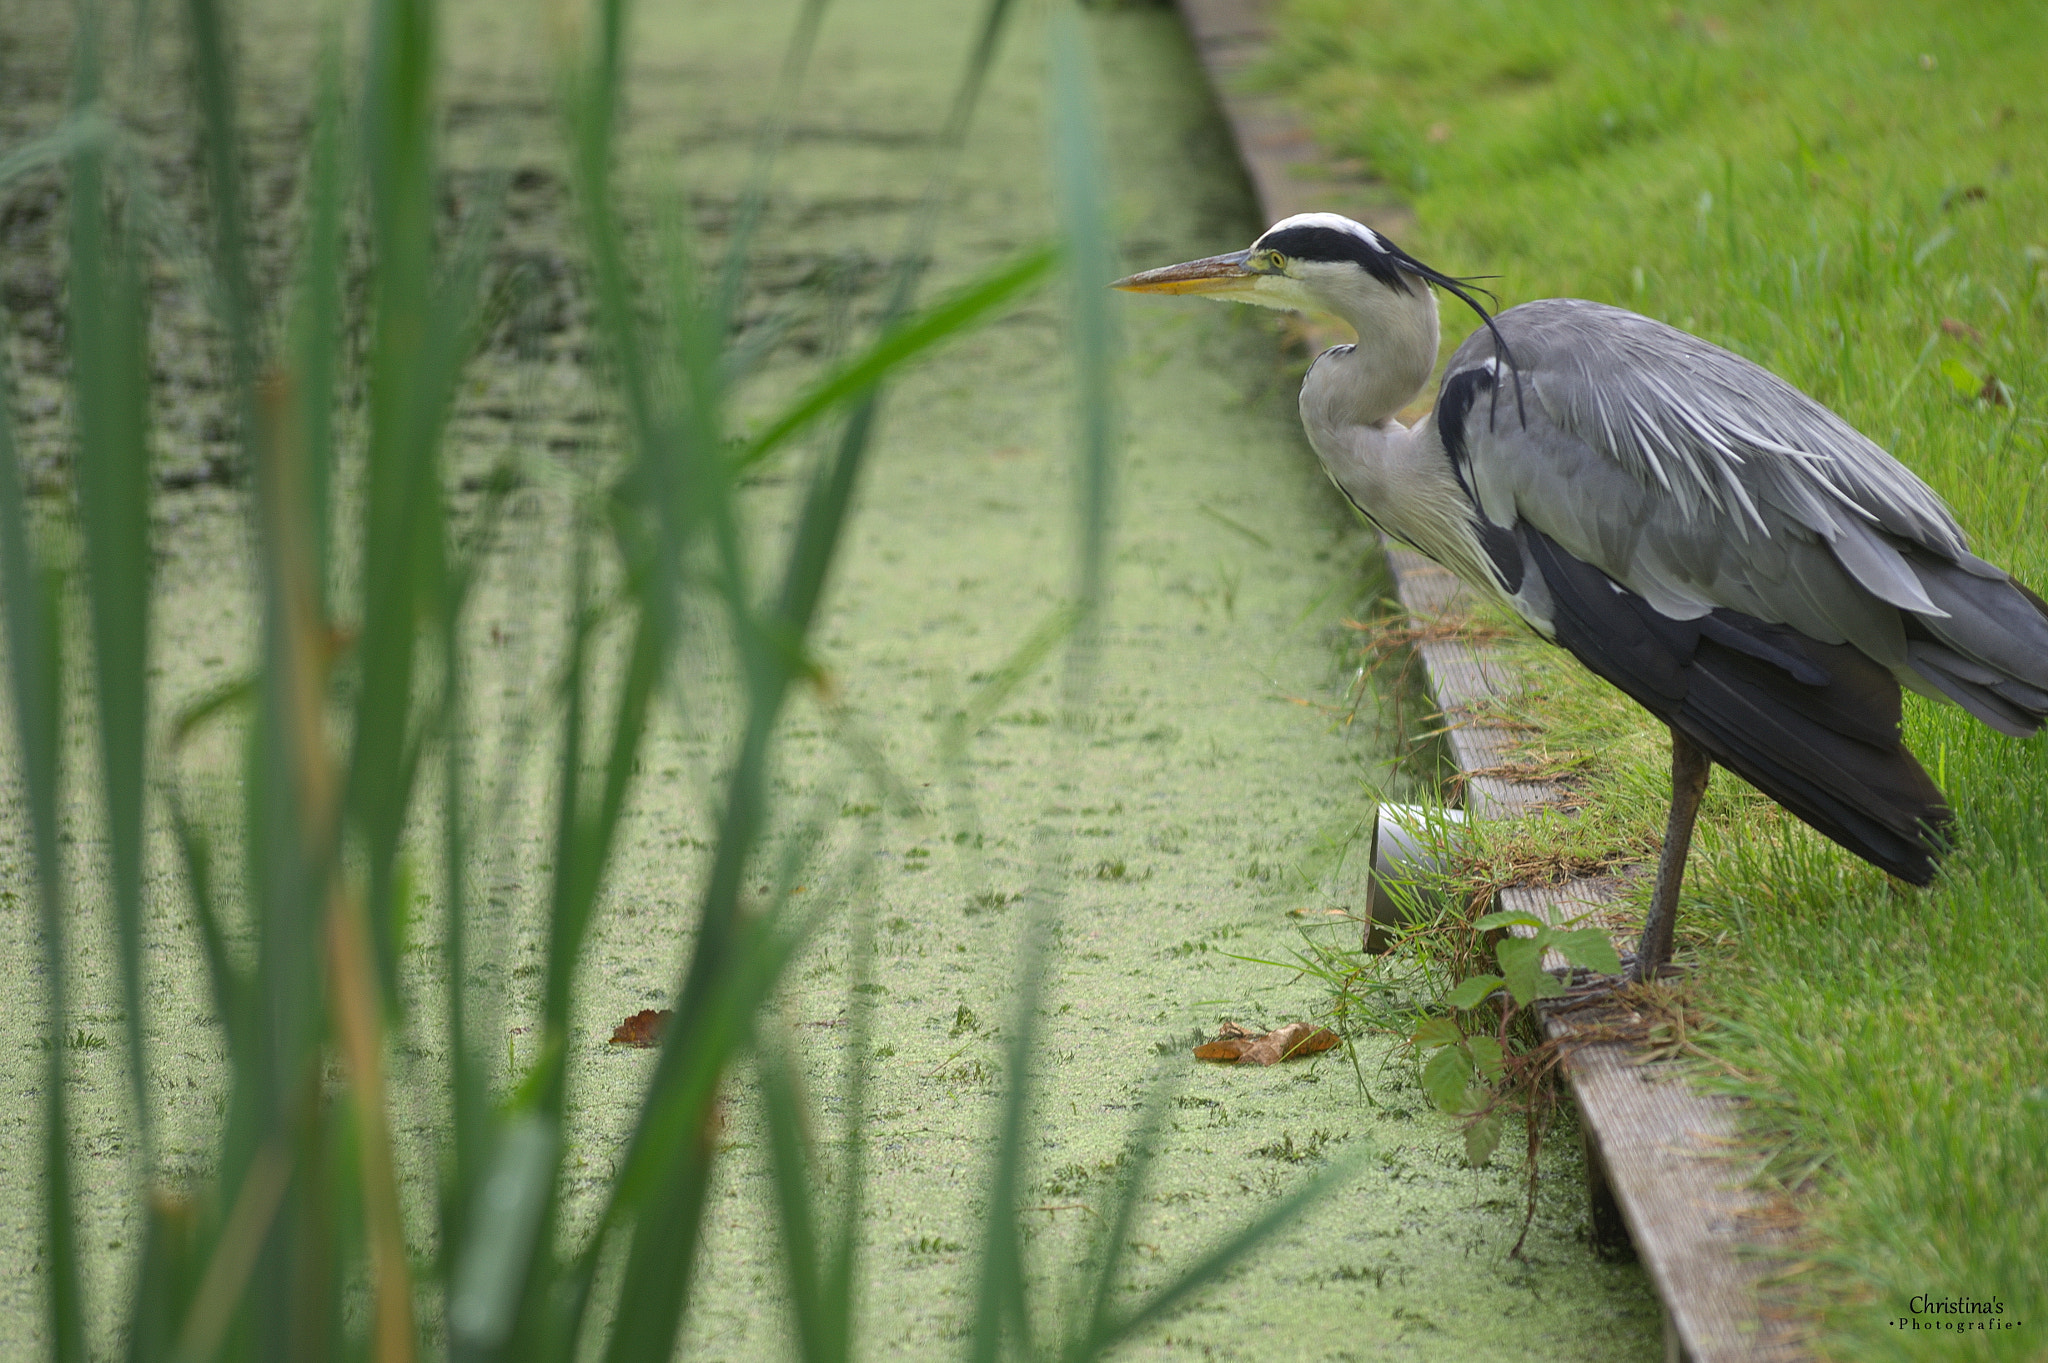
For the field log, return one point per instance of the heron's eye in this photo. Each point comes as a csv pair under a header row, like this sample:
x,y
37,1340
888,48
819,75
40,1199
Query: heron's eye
x,y
1273,262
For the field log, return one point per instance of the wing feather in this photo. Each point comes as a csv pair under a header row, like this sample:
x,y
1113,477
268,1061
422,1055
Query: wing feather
x,y
1701,482
1662,403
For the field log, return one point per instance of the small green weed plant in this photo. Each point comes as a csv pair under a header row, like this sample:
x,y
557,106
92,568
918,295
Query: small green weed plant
x,y
1502,1068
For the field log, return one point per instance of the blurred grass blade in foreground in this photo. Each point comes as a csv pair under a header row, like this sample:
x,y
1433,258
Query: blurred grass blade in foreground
x,y
30,595
353,722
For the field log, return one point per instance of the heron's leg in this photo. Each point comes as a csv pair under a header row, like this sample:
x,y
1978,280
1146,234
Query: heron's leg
x,y
1690,767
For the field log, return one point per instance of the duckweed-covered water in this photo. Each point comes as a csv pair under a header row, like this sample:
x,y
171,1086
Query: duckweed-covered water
x,y
1210,811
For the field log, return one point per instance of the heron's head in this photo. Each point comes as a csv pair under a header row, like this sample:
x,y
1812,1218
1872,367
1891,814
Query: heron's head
x,y
1312,262
1320,263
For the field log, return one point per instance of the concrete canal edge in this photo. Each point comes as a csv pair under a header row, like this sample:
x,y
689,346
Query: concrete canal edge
x,y
1659,1161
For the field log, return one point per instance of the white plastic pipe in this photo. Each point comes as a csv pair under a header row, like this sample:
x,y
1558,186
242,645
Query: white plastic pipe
x,y
1408,843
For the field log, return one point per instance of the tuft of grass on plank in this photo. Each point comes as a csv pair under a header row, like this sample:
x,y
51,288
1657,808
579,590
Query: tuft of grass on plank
x,y
1852,195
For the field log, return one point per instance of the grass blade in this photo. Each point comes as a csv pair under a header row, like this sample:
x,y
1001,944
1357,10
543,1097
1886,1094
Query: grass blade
x,y
30,597
1097,1292
402,511
1107,1334
506,1218
110,377
565,921
796,61
840,1270
668,1132
231,992
999,1296
660,1183
466,1171
1091,265
663,1256
213,90
83,128
316,319
236,1253
789,1160
990,697
164,1280
900,344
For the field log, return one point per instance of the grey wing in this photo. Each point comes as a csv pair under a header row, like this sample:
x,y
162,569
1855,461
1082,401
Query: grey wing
x,y
1701,481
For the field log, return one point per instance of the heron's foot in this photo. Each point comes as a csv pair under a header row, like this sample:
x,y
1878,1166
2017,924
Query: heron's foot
x,y
1633,971
1584,987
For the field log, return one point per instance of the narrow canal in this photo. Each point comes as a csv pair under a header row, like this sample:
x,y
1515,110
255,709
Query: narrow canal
x,y
1214,809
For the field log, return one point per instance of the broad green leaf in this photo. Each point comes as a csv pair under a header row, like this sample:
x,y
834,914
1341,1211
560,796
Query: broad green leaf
x,y
1437,1032
1521,960
1509,918
1470,993
1481,1139
1486,1055
1589,947
1447,1079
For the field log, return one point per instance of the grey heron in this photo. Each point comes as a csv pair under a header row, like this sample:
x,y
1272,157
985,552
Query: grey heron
x,y
1731,554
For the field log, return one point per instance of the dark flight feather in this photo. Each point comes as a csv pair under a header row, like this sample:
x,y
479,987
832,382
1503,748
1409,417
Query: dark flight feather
x,y
1814,726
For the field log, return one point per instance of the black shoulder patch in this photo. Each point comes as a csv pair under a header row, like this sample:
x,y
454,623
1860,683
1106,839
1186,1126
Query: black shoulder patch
x,y
1330,244
1453,405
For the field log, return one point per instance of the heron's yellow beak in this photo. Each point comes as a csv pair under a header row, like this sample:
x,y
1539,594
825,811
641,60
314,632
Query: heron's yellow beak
x,y
1212,275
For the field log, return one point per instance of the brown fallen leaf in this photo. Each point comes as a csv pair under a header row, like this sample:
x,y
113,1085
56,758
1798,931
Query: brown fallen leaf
x,y
643,1029
1295,1039
1234,1044
1231,1042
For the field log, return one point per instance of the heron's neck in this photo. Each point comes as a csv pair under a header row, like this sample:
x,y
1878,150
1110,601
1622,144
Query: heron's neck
x,y
1383,372
1399,477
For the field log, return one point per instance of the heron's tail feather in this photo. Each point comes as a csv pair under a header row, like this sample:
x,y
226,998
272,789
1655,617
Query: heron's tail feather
x,y
1829,753
1989,654
1814,726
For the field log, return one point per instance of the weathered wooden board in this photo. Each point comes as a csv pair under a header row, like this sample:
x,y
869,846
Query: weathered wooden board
x,y
1660,1147
1665,1154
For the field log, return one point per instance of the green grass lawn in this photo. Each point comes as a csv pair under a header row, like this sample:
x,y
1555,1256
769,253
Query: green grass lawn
x,y
1855,196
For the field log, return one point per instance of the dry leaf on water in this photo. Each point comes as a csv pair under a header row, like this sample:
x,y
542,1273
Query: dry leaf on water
x,y
1230,1043
643,1029
1234,1044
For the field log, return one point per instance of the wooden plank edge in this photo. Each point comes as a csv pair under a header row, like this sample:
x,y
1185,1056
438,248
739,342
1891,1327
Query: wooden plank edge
x,y
1669,1156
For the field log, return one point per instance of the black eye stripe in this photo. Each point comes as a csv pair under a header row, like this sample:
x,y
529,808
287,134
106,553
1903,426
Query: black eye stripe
x,y
1331,244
